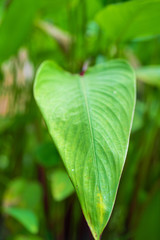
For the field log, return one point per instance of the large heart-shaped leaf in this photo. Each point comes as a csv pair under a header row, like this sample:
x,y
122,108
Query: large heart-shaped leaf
x,y
89,118
130,20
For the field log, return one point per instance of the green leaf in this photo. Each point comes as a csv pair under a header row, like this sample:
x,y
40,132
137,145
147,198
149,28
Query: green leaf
x,y
61,185
26,217
92,7
89,118
130,20
23,194
149,75
15,26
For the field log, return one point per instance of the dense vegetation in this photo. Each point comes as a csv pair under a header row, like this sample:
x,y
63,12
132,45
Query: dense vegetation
x,y
82,39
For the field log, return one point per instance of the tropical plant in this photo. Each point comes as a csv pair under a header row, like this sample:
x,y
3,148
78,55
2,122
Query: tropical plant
x,y
97,93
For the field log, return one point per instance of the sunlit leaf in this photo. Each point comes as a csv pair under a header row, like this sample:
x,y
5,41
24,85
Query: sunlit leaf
x,y
130,20
26,217
149,75
89,118
61,185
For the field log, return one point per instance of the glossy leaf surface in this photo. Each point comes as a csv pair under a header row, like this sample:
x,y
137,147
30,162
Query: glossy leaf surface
x,y
130,20
89,118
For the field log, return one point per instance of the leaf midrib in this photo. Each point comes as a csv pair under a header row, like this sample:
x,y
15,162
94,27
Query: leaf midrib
x,y
84,95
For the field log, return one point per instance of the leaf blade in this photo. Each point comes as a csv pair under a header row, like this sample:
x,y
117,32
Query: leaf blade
x,y
25,216
149,75
61,186
139,20
79,112
16,27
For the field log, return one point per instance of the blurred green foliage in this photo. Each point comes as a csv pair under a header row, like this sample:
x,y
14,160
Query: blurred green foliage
x,y
67,31
61,186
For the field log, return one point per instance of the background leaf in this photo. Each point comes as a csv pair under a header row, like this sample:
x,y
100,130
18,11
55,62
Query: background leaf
x,y
26,217
14,30
131,20
90,120
47,155
149,75
23,194
61,186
